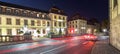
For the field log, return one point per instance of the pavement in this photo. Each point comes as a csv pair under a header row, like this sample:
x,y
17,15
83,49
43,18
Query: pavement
x,y
103,47
73,45
20,42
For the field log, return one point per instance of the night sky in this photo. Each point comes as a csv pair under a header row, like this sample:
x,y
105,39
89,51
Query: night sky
x,y
89,8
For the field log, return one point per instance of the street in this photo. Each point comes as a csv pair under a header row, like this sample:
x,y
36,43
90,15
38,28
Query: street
x,y
73,45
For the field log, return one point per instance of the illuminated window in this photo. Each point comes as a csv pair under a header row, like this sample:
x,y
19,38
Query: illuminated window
x,y
25,22
38,15
9,22
43,15
17,21
18,31
9,31
32,22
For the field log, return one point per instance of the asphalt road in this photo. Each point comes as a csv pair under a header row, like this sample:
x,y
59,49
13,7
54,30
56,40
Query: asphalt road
x,y
73,45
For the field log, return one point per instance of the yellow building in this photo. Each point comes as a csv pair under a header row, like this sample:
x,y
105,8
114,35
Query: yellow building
x,y
115,23
58,21
16,18
77,25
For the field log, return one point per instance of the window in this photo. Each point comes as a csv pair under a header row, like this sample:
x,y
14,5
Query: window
x,y
55,17
43,22
17,31
60,24
38,15
32,22
76,26
17,21
43,15
0,9
0,31
63,18
63,24
9,22
115,3
38,23
48,23
16,11
76,21
25,22
55,24
9,31
8,10
59,17
0,20
3,9
44,31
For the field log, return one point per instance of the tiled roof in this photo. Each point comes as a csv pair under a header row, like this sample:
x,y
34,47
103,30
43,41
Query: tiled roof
x,y
21,7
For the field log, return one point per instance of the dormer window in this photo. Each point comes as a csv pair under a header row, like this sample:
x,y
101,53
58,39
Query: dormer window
x,y
43,15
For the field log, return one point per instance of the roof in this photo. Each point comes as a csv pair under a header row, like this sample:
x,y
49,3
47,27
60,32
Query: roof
x,y
57,10
77,16
21,7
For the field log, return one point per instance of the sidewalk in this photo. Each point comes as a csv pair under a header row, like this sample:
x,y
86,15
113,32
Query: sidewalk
x,y
103,47
20,42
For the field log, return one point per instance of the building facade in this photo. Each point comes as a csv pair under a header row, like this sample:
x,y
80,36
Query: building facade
x,y
18,20
93,26
114,15
77,25
58,21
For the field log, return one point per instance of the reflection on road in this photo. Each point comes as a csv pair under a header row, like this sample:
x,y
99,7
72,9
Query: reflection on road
x,y
69,45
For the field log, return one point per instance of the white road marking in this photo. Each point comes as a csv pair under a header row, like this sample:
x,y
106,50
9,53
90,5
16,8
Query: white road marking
x,y
52,49
85,42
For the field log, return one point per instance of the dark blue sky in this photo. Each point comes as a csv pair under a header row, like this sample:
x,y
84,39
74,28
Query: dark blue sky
x,y
87,8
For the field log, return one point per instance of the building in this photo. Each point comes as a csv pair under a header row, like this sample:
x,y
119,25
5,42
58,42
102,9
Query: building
x,y
18,20
77,25
114,15
93,26
58,21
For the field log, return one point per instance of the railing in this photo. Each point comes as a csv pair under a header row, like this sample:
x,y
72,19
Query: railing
x,y
14,38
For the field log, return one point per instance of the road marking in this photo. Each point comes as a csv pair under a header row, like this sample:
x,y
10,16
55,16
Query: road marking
x,y
85,42
52,49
